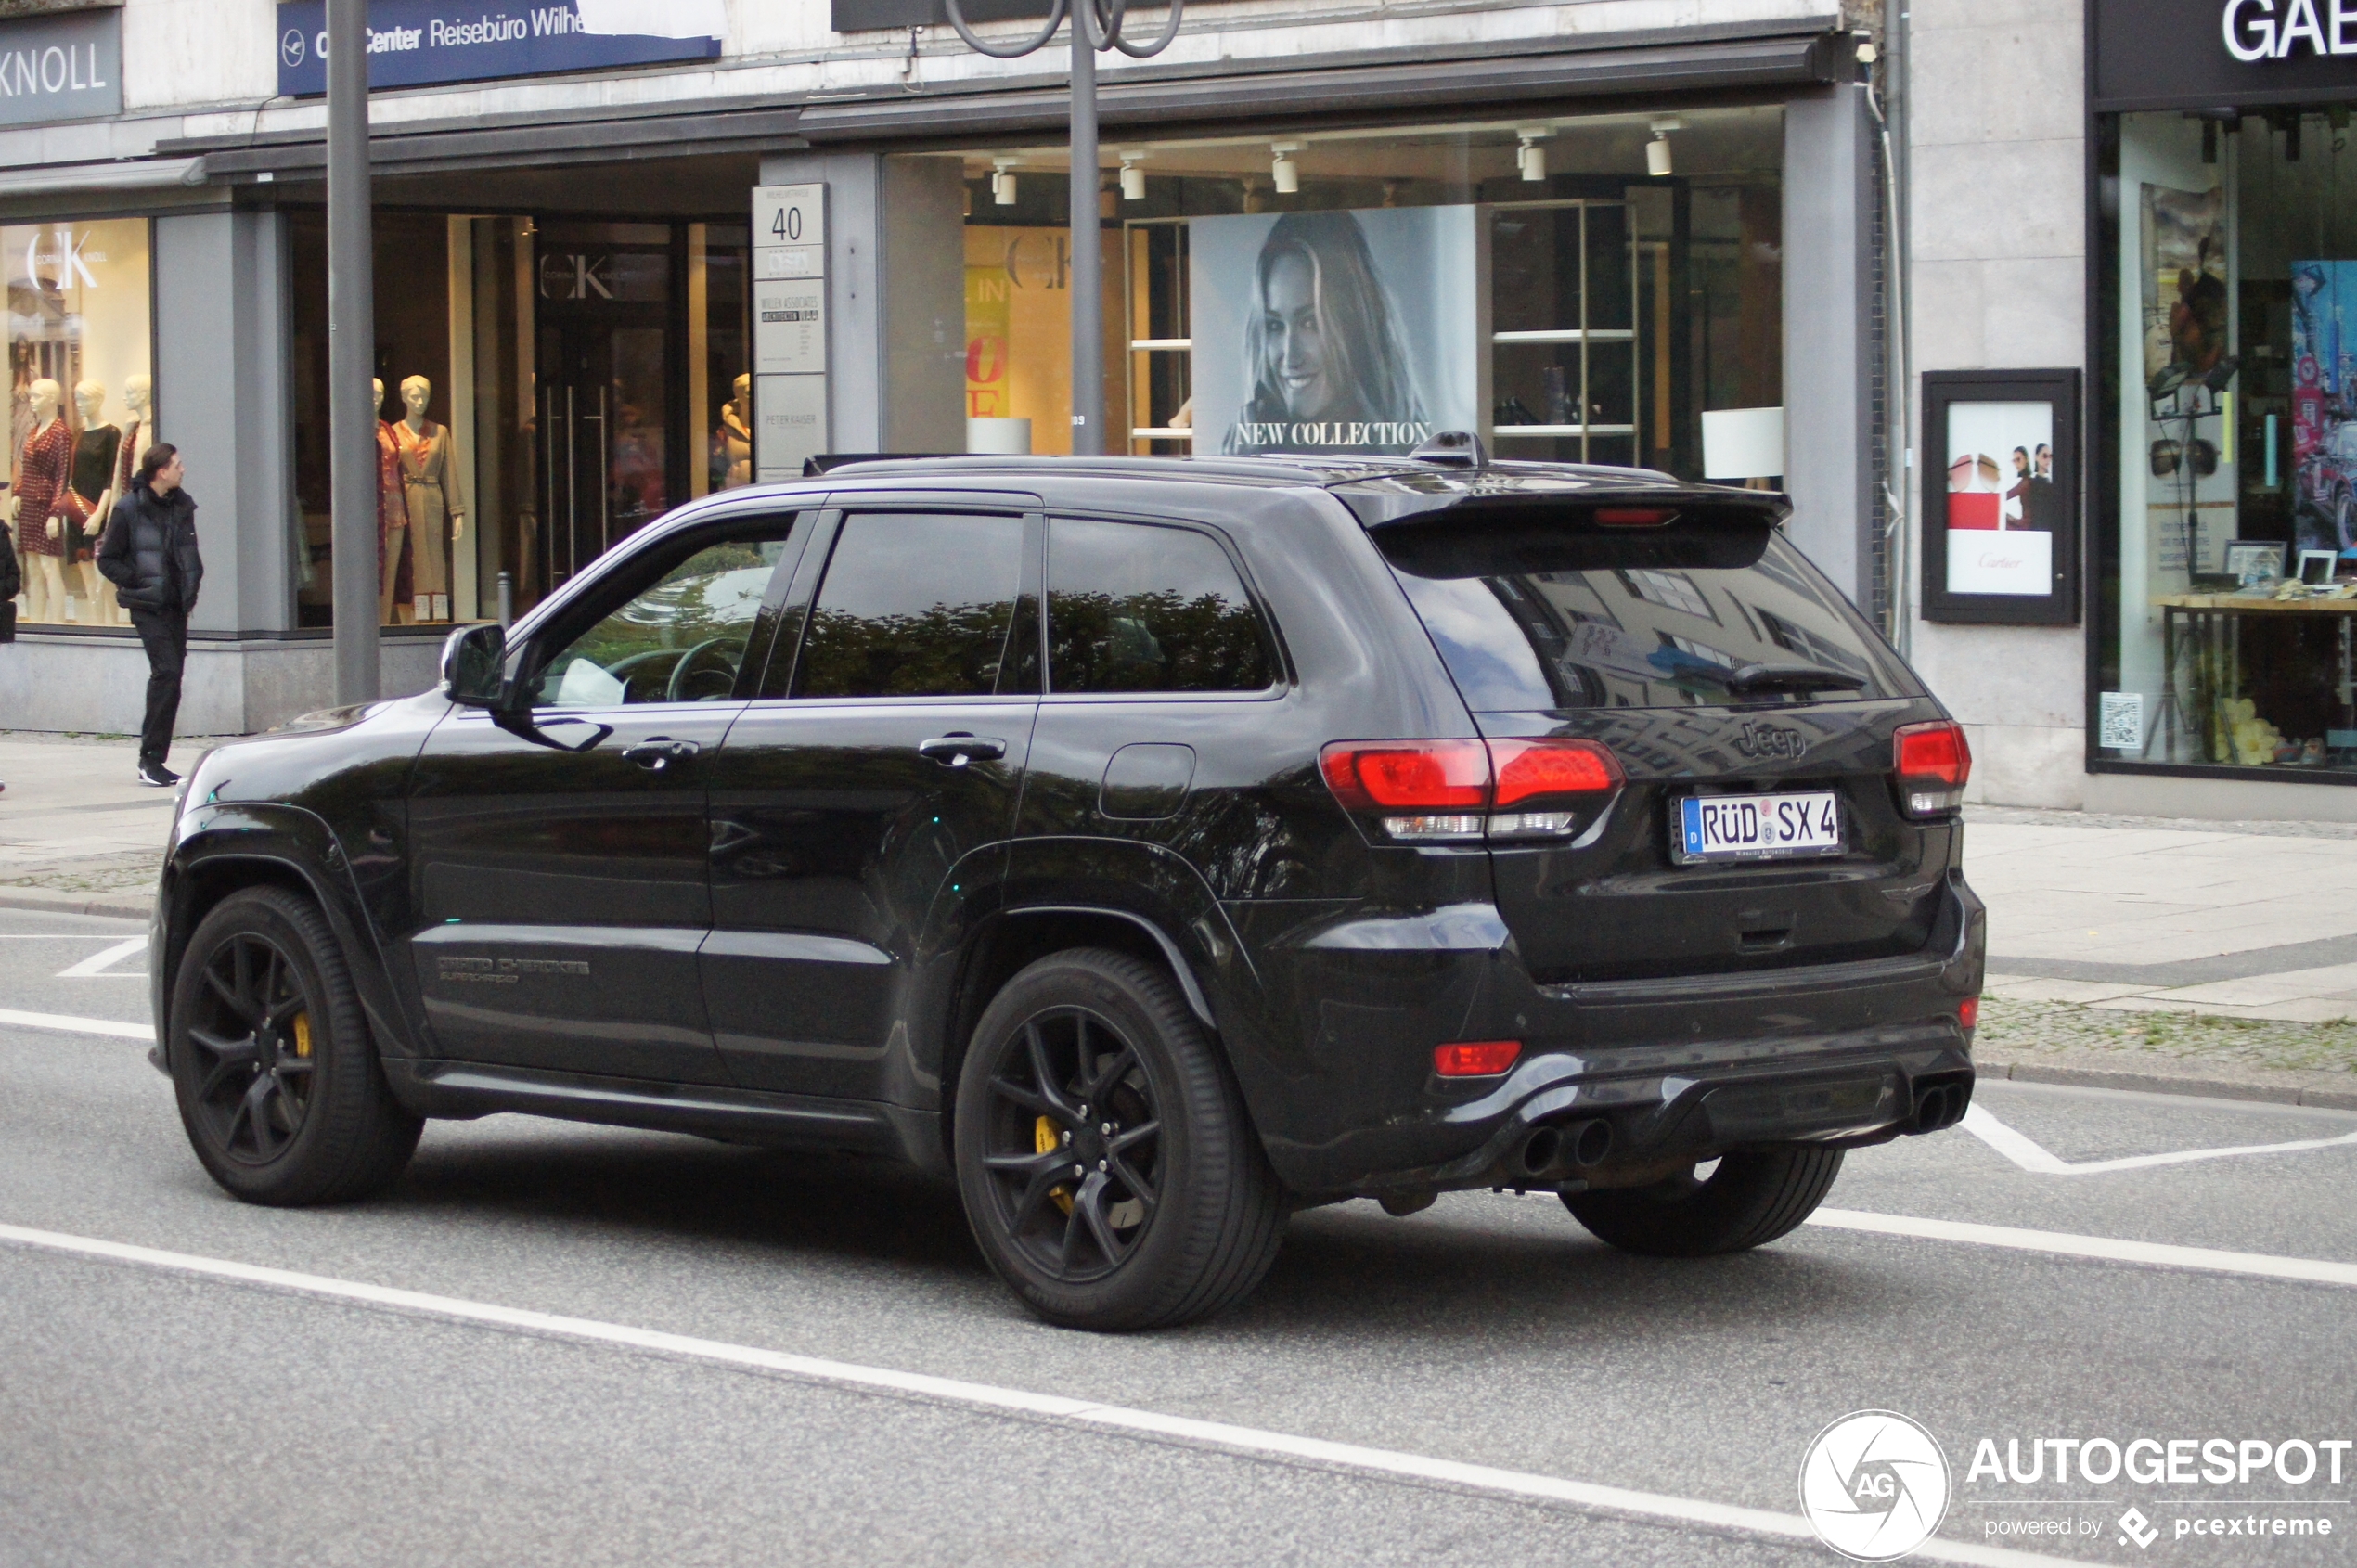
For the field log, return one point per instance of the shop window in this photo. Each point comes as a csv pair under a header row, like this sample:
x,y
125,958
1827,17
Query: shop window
x,y
549,388
1354,289
2227,567
80,406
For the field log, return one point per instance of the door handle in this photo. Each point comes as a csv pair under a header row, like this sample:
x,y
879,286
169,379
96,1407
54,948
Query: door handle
x,y
957,751
659,752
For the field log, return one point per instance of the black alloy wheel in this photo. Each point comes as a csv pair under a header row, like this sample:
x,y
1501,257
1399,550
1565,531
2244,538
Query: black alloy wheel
x,y
1109,1172
255,1066
1074,1145
279,1083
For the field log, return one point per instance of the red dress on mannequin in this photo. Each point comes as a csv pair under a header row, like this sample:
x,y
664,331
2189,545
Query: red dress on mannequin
x,y
41,470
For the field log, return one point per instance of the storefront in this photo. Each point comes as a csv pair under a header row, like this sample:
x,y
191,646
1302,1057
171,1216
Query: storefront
x,y
584,319
2223,333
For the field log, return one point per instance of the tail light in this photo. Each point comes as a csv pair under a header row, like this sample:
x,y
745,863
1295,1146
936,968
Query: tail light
x,y
1424,791
1474,1059
1931,762
1968,1014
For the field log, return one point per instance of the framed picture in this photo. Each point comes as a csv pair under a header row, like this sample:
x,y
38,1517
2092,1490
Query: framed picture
x,y
2000,498
2316,568
2254,563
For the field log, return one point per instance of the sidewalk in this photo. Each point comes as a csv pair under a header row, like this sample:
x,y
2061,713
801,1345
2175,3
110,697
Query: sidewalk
x,y
78,834
2126,952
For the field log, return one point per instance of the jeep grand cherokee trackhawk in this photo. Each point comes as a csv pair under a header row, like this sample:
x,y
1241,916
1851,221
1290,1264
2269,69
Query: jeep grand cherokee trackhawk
x,y
1154,847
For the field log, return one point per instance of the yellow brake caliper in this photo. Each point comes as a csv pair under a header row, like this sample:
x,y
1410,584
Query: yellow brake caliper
x,y
1043,1139
303,1035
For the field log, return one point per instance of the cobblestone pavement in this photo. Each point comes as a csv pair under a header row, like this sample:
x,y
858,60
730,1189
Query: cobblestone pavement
x,y
2020,1028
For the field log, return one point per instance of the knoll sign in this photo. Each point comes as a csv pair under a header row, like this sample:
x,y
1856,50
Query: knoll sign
x,y
416,43
2223,54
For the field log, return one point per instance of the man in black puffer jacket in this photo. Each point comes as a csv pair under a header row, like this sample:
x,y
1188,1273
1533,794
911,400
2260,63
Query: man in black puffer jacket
x,y
149,554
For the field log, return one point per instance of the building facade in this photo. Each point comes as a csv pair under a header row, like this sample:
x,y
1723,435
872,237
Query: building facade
x,y
628,253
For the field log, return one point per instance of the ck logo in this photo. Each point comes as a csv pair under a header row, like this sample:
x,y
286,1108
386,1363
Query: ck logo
x,y
573,277
1759,740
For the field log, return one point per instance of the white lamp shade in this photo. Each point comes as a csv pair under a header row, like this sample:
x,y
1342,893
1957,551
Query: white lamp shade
x,y
1287,176
1533,159
1002,187
1657,157
1743,442
1133,183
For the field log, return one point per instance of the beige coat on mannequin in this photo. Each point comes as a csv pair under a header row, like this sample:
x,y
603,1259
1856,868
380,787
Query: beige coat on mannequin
x,y
429,482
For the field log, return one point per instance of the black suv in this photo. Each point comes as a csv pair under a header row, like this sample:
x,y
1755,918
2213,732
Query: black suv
x,y
1154,847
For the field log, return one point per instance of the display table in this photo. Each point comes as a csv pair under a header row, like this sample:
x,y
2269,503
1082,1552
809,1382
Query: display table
x,y
2211,628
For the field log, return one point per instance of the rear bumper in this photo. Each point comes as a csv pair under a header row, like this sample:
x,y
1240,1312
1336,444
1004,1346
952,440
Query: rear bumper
x,y
1676,1070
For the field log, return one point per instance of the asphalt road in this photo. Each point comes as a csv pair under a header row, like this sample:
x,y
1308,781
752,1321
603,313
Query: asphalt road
x,y
155,1411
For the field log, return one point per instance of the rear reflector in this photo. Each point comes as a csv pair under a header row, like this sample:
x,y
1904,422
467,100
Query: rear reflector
x,y
1968,1012
1631,517
1474,1059
1428,791
1931,762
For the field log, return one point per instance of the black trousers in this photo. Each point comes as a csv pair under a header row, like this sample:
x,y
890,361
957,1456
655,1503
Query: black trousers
x,y
164,634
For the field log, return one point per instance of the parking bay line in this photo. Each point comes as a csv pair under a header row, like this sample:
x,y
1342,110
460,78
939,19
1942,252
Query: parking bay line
x,y
1248,1442
2314,1271
2036,1159
95,966
79,1025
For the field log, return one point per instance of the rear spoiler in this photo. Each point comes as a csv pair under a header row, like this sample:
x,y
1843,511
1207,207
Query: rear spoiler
x,y
1493,499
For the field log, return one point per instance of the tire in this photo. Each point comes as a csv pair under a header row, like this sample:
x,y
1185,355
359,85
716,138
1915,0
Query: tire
x,y
279,1083
2344,523
1182,1217
1749,1201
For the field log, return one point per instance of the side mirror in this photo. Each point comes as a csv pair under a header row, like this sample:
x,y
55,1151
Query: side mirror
x,y
474,666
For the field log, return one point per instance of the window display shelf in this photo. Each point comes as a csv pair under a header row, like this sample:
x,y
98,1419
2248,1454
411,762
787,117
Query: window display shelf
x,y
1146,434
1568,335
1538,432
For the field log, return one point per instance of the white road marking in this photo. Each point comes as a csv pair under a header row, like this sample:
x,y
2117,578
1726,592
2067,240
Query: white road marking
x,y
1250,1442
78,1025
95,966
2264,1265
2031,1156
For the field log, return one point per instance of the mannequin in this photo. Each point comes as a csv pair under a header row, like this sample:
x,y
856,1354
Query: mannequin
x,y
736,435
139,395
437,509
392,515
88,498
42,467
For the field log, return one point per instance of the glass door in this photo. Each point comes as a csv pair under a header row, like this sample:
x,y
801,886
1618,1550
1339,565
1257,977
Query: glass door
x,y
609,457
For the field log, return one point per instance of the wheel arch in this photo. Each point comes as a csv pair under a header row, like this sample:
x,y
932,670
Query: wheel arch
x,y
234,848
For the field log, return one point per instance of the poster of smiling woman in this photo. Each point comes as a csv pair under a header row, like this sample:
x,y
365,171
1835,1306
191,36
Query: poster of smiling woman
x,y
1350,331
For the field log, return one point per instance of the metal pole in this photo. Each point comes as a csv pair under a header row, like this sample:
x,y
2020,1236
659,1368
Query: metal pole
x,y
352,351
507,599
1088,256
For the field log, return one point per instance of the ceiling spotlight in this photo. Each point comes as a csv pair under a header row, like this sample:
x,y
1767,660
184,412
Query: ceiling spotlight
x,y
1002,183
1530,158
1284,172
1133,179
1657,162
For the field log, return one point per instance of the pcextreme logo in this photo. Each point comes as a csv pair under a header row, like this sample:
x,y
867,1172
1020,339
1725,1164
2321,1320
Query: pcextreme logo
x,y
1875,1485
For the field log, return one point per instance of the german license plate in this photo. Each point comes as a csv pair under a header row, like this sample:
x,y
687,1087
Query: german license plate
x,y
1758,827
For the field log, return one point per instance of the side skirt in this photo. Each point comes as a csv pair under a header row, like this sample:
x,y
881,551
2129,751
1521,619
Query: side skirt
x,y
461,1090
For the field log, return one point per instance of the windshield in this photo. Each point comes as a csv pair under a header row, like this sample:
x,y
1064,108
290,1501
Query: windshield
x,y
1534,618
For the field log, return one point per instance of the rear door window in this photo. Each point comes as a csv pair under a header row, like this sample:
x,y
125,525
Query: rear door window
x,y
1132,607
1526,620
914,606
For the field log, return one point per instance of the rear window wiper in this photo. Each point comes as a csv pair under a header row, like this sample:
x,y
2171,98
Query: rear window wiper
x,y
1792,677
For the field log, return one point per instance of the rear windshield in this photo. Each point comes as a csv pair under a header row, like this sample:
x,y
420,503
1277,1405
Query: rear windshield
x,y
1531,618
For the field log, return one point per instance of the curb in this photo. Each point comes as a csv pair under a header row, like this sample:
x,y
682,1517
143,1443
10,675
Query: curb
x,y
57,901
2170,1083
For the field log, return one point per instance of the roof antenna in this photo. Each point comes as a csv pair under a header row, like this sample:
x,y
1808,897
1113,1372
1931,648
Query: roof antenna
x,y
1454,449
